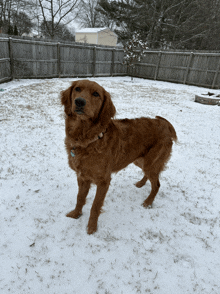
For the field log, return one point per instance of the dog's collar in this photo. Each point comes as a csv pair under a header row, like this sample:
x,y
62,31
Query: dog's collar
x,y
72,151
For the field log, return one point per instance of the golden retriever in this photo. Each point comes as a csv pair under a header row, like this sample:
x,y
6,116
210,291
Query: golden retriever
x,y
98,145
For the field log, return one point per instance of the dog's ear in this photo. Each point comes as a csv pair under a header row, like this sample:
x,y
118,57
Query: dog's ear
x,y
107,111
66,99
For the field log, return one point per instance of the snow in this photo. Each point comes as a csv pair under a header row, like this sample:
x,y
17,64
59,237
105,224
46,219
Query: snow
x,y
91,30
171,248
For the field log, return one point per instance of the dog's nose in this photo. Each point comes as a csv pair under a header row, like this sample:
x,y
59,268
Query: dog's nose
x,y
80,102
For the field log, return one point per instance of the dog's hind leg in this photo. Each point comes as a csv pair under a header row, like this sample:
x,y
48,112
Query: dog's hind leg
x,y
154,164
142,182
140,163
155,185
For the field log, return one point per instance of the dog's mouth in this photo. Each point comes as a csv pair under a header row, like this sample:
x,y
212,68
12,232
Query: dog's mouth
x,y
79,111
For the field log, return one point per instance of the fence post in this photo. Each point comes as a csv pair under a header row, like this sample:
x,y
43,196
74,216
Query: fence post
x,y
94,61
58,59
10,41
157,66
187,68
113,63
216,75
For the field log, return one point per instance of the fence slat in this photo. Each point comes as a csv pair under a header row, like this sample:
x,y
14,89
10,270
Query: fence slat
x,y
187,69
94,62
157,66
112,63
58,60
10,48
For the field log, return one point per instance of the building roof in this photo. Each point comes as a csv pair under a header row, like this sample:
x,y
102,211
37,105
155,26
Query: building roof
x,y
91,30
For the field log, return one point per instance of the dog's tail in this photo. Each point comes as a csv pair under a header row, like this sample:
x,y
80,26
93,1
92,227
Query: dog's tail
x,y
171,128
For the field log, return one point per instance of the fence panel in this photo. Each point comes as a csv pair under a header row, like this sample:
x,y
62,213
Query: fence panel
x,y
119,68
76,61
103,61
172,67
34,59
146,68
5,68
201,69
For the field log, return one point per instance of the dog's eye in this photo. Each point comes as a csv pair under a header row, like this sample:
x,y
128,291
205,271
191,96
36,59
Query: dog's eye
x,y
77,89
96,94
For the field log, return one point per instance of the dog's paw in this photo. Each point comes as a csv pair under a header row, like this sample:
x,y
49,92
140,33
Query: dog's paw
x,y
74,214
91,230
92,227
139,184
147,205
142,182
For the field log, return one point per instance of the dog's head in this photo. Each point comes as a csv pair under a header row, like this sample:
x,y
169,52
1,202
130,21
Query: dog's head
x,y
88,100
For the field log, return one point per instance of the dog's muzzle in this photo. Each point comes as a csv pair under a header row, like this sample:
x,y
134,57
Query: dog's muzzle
x,y
80,104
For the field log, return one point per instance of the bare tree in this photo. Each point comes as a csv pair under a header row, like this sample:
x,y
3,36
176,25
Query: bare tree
x,y
89,15
9,6
55,12
5,11
13,15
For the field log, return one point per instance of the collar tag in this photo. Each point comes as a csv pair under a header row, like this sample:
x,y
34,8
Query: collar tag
x,y
72,153
100,135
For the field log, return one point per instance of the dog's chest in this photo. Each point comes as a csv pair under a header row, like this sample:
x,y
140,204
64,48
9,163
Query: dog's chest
x,y
86,161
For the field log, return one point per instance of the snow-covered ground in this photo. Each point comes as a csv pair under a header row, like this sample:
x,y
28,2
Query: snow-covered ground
x,y
172,248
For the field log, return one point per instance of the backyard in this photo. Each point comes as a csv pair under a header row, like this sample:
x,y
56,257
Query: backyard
x,y
171,248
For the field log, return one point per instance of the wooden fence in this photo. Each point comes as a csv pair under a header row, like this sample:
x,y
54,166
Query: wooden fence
x,y
200,69
35,59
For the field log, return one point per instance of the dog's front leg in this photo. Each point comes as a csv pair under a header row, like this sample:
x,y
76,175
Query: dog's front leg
x,y
84,187
101,191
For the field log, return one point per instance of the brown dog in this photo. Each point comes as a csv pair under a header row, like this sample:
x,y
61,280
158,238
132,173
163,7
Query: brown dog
x,y
98,145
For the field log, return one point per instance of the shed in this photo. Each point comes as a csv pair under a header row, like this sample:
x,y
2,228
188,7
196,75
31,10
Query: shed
x,y
99,36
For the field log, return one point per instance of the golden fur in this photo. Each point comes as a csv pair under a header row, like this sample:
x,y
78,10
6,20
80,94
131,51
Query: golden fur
x,y
98,145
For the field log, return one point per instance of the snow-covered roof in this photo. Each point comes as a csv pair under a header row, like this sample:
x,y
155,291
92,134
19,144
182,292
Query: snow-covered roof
x,y
91,30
